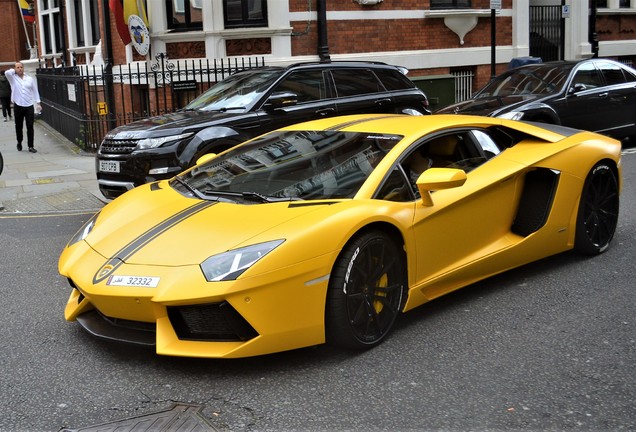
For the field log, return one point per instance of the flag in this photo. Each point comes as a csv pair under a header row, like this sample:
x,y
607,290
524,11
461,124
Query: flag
x,y
135,7
122,27
28,13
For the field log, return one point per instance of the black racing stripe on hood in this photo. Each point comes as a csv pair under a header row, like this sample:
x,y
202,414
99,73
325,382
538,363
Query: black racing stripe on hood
x,y
140,242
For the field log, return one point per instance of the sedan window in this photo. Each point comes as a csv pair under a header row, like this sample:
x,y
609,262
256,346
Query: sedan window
x,y
614,74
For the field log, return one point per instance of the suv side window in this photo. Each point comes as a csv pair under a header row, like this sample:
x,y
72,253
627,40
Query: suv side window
x,y
353,82
394,80
309,85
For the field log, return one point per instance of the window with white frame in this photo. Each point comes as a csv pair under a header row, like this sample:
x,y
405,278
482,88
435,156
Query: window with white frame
x,y
84,23
245,13
450,4
52,28
184,14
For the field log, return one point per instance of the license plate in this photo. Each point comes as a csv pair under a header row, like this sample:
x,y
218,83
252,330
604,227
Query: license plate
x,y
133,281
109,166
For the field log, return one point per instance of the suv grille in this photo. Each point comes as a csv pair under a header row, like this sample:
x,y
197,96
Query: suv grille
x,y
110,146
211,322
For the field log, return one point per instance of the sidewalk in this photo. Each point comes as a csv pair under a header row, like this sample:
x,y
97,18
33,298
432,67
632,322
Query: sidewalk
x,y
60,177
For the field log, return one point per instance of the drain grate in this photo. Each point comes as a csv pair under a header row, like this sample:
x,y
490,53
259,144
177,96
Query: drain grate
x,y
180,417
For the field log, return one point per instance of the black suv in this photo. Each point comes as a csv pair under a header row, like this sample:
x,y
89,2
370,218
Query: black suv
x,y
243,106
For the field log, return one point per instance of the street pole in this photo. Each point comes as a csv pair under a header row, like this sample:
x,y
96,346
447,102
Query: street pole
x,y
493,43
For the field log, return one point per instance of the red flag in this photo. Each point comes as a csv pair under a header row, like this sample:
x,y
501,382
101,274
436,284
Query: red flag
x,y
122,27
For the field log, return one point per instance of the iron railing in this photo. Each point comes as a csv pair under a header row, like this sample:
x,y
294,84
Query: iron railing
x,y
84,102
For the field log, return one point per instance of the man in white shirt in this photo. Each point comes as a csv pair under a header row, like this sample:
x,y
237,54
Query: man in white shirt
x,y
26,99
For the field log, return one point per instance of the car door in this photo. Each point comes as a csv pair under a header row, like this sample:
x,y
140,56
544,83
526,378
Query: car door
x,y
314,100
588,105
359,91
457,237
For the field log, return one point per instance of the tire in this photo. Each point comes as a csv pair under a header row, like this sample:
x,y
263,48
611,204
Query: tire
x,y
365,291
1,163
598,211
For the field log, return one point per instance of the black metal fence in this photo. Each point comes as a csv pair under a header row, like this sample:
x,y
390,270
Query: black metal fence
x,y
547,39
84,102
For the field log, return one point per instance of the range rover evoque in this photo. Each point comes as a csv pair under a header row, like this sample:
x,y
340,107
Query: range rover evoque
x,y
245,105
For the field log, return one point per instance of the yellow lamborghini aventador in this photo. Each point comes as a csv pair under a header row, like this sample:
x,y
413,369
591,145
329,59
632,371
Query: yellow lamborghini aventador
x,y
326,231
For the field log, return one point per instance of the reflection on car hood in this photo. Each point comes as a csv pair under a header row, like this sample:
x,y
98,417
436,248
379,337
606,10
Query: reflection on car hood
x,y
490,106
174,124
167,229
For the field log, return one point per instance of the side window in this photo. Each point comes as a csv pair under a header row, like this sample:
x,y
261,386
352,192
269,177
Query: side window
x,y
488,146
588,76
395,188
613,73
308,85
353,82
394,80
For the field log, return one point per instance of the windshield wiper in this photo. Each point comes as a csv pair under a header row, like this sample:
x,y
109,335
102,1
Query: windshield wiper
x,y
225,109
249,196
267,198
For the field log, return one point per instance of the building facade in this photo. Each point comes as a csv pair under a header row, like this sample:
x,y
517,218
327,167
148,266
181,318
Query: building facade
x,y
434,39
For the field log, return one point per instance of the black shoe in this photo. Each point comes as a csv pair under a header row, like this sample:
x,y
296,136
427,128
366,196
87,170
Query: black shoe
x,y
32,150
19,147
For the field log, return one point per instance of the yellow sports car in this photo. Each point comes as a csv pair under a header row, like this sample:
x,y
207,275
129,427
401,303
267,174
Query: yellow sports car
x,y
326,231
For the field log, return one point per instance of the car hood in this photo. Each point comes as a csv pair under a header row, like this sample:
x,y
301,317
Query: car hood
x,y
167,229
174,124
488,106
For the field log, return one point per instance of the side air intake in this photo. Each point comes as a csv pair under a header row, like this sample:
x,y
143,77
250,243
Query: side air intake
x,y
536,201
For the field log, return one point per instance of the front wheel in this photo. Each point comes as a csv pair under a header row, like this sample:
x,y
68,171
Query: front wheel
x,y
365,291
598,211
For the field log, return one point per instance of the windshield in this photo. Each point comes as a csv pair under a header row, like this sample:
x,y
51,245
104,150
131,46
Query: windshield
x,y
290,165
239,91
542,80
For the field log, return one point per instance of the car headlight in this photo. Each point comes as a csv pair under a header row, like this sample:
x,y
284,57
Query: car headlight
x,y
150,143
231,264
83,231
512,115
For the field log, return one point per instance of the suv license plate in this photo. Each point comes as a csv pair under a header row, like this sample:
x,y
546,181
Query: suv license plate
x,y
109,166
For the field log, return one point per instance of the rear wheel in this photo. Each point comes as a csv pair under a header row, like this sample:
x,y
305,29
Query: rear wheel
x,y
598,211
365,291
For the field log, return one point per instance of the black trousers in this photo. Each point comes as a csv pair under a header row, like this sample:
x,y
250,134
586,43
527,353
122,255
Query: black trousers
x,y
21,114
6,106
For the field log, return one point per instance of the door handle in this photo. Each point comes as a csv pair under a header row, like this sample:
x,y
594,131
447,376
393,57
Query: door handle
x,y
602,94
325,111
383,101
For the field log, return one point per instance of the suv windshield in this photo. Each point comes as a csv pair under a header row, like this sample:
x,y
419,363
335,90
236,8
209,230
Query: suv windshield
x,y
239,91
545,79
289,165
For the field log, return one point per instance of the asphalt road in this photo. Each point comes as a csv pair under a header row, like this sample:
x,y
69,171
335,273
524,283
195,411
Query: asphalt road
x,y
550,346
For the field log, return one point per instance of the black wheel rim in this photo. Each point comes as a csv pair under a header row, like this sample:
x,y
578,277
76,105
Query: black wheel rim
x,y
374,291
601,209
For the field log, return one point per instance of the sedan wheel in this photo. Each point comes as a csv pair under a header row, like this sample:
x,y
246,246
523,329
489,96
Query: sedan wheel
x,y
598,211
365,291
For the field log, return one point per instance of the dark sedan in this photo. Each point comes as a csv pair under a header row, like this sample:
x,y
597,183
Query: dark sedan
x,y
593,94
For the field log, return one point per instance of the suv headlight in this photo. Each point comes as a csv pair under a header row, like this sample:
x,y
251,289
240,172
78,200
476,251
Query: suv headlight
x,y
512,115
150,143
231,264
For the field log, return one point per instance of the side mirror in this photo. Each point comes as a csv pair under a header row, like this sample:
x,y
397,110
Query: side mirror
x,y
437,179
206,157
281,100
577,88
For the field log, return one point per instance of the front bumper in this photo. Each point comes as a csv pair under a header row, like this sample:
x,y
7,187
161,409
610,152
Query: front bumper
x,y
188,316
